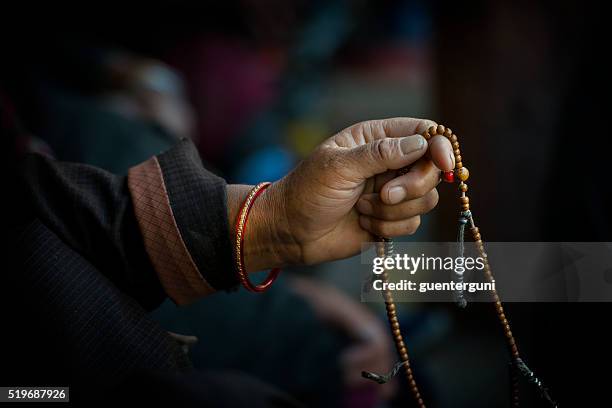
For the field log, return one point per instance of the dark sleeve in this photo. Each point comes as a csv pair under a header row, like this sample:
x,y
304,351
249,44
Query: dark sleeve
x,y
162,229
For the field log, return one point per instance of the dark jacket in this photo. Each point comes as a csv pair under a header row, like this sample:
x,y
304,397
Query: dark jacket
x,y
90,253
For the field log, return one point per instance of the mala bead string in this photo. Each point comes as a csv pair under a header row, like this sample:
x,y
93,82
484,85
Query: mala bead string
x,y
385,249
462,173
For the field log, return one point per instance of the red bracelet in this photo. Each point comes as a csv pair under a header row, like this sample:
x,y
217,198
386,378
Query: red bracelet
x,y
241,221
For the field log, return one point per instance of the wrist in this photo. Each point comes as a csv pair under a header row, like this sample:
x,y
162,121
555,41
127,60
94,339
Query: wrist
x,y
268,242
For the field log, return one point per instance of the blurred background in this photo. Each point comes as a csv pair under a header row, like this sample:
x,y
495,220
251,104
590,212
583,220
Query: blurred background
x,y
258,84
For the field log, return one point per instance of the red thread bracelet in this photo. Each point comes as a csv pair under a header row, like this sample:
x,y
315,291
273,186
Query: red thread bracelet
x,y
241,221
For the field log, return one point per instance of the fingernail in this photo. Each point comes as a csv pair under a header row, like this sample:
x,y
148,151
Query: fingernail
x,y
452,160
364,206
396,194
412,144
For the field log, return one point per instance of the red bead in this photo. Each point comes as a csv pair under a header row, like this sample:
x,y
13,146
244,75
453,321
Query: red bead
x,y
448,176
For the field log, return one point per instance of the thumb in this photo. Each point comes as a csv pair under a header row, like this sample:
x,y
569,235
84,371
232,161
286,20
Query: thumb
x,y
385,154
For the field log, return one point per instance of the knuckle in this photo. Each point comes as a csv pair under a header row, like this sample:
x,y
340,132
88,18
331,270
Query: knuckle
x,y
419,187
383,150
413,225
363,130
432,199
426,124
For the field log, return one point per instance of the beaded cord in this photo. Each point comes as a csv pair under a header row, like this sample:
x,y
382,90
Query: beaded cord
x,y
384,248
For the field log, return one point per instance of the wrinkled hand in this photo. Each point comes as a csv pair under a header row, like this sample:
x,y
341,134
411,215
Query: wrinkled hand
x,y
332,200
348,191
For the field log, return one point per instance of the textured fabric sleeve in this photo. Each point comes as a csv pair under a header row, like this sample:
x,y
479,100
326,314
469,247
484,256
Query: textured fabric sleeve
x,y
182,212
162,230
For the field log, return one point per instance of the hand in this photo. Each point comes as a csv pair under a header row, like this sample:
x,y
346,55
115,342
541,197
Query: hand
x,y
346,193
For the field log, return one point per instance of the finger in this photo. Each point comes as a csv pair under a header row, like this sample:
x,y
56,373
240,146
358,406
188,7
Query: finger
x,y
368,131
441,152
419,180
390,229
382,179
371,205
381,155
396,127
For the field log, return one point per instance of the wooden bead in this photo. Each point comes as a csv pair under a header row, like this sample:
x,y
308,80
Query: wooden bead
x,y
440,129
448,132
455,145
433,130
463,173
426,135
475,230
463,187
464,199
453,139
458,158
456,152
465,207
458,164
477,237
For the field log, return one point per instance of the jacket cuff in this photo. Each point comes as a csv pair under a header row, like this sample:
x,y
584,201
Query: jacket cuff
x,y
182,213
